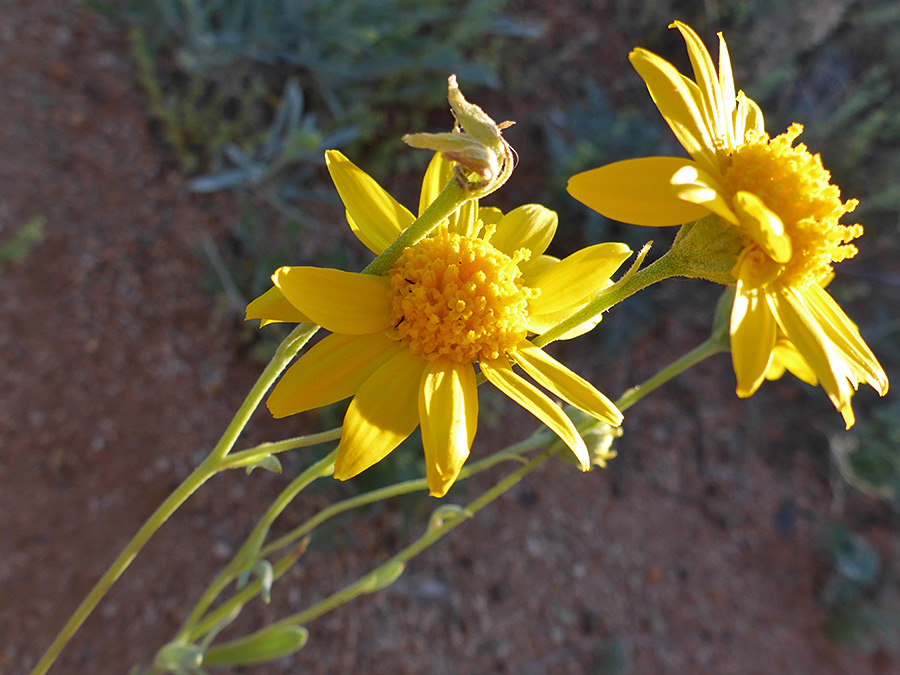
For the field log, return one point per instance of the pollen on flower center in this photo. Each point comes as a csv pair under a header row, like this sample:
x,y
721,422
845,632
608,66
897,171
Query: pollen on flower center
x,y
459,298
793,184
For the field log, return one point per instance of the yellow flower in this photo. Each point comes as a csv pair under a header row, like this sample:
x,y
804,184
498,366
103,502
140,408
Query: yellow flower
x,y
783,209
404,345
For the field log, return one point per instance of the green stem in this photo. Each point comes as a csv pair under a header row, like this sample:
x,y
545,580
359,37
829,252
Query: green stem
x,y
210,466
216,618
511,452
254,454
664,268
250,550
190,484
451,198
367,583
286,351
713,345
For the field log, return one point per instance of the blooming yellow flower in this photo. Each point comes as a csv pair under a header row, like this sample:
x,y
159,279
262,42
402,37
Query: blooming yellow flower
x,y
783,208
404,345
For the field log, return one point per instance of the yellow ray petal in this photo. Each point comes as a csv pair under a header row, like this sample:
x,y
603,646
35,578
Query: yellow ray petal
x,y
577,277
694,185
776,369
374,216
763,226
531,268
786,356
836,378
726,84
530,226
752,338
678,105
448,414
569,386
437,175
273,307
464,221
342,302
747,117
489,215
637,191
501,375
844,334
330,371
382,414
541,323
708,81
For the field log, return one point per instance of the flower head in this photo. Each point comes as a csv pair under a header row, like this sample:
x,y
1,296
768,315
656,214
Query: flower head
x,y
405,345
784,215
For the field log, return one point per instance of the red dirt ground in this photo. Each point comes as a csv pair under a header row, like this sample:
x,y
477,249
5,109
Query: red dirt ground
x,y
118,374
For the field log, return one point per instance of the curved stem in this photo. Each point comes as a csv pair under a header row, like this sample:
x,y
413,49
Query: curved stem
x,y
210,466
229,608
190,484
368,583
713,345
253,543
511,452
254,454
191,632
286,351
451,198
446,203
664,268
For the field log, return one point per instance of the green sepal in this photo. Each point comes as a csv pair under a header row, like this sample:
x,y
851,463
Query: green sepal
x,y
268,462
708,249
266,645
266,573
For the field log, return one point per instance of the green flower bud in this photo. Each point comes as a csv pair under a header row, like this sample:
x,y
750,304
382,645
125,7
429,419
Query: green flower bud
x,y
708,249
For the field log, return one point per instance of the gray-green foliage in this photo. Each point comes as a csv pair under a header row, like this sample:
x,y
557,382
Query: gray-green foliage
x,y
365,65
856,620
248,93
869,457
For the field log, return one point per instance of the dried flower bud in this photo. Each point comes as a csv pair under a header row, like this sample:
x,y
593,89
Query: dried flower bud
x,y
484,159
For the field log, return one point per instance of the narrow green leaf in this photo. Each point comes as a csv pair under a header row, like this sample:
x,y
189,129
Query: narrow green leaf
x,y
446,512
266,573
267,645
383,577
178,657
268,462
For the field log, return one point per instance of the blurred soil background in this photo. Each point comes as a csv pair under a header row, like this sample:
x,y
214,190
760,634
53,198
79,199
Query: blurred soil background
x,y
158,160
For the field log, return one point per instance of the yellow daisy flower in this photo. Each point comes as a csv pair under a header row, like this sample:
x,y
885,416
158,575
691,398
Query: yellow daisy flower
x,y
404,345
784,210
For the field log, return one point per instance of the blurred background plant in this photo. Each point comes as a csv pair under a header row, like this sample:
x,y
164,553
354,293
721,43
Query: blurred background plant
x,y
859,614
16,246
248,93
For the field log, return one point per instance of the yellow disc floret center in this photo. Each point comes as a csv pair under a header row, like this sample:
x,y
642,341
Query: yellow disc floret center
x,y
459,298
794,185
